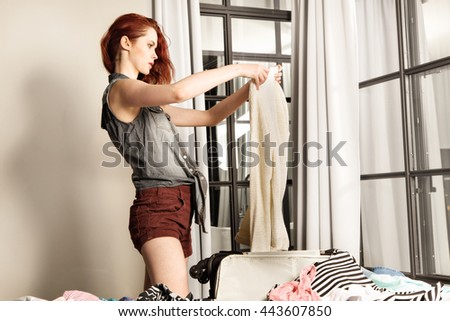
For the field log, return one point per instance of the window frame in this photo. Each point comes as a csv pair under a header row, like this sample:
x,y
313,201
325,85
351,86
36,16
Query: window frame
x,y
417,203
227,13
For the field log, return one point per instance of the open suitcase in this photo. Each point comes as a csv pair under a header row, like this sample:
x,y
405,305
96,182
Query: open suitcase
x,y
249,276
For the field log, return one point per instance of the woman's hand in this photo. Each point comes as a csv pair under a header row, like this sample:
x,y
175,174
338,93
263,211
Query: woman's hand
x,y
258,73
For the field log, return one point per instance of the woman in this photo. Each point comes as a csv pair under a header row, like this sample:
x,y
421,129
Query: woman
x,y
169,188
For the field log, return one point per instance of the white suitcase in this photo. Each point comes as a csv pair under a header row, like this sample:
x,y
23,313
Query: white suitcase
x,y
249,277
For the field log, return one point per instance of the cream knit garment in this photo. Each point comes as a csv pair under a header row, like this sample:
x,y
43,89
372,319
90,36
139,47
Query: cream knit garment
x,y
269,129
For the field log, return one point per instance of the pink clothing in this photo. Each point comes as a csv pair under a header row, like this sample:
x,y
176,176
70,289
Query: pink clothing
x,y
79,296
298,289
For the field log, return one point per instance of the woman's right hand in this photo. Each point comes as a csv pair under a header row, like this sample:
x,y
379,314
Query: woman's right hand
x,y
258,73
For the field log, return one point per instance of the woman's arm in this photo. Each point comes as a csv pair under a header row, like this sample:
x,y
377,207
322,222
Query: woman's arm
x,y
210,117
213,116
130,93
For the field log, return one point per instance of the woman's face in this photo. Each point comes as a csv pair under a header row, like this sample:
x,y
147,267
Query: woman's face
x,y
142,52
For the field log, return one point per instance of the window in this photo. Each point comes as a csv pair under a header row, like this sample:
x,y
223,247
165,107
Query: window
x,y
404,136
404,57
236,31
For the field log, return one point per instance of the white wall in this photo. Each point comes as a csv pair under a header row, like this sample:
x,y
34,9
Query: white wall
x,y
63,217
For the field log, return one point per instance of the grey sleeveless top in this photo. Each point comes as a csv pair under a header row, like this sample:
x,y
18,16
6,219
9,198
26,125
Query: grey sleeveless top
x,y
150,145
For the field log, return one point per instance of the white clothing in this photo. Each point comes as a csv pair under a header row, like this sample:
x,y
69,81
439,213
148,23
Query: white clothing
x,y
269,132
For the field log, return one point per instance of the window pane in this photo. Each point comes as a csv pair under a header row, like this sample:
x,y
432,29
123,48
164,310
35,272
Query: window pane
x,y
285,5
220,239
377,38
243,200
431,118
433,215
219,197
381,142
385,224
220,218
286,38
214,60
212,33
212,1
268,4
253,36
213,47
243,234
217,151
432,30
286,80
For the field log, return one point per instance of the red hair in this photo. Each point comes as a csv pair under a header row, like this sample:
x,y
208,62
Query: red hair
x,y
134,26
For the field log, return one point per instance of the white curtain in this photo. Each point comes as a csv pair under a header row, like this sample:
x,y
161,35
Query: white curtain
x,y
180,20
325,103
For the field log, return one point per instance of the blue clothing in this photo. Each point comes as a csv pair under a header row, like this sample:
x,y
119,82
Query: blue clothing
x,y
386,270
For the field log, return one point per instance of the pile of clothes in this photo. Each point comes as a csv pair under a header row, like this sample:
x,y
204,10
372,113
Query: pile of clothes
x,y
159,292
340,278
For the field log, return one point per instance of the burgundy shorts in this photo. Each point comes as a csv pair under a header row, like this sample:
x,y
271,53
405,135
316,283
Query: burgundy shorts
x,y
162,211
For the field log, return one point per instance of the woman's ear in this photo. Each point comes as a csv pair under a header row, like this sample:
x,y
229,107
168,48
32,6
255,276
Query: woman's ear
x,y
125,43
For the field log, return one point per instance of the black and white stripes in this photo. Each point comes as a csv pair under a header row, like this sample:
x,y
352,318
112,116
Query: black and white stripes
x,y
341,271
160,292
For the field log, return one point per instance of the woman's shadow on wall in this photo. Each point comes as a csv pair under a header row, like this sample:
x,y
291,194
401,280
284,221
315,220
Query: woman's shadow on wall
x,y
44,167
